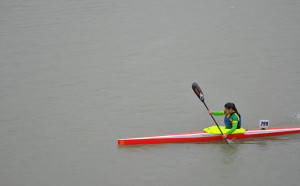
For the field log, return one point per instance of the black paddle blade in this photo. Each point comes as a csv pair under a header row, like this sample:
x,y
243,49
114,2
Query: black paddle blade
x,y
198,91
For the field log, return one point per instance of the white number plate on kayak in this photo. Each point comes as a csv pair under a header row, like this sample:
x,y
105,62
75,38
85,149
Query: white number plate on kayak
x,y
264,124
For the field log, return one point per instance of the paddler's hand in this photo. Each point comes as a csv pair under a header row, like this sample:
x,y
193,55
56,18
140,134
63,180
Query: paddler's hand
x,y
225,135
210,112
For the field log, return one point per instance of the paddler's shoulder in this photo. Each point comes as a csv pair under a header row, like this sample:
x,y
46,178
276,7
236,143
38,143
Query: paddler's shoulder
x,y
235,116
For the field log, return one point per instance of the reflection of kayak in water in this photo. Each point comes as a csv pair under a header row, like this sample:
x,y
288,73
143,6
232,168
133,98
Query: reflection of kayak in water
x,y
209,134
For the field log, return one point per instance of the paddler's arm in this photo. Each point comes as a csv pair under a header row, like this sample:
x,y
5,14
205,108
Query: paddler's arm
x,y
234,126
235,121
216,113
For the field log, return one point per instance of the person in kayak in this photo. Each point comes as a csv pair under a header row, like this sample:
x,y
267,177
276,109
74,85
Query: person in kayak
x,y
232,117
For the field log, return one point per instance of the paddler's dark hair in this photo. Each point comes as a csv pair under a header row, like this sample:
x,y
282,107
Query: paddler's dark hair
x,y
231,106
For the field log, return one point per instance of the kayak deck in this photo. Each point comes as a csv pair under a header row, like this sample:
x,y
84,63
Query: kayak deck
x,y
204,136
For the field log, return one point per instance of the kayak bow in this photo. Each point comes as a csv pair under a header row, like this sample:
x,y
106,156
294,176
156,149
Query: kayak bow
x,y
204,136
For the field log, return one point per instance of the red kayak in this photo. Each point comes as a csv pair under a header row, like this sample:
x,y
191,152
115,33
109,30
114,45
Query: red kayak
x,y
204,136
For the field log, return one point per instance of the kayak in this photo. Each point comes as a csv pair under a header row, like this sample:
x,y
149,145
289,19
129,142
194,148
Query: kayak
x,y
205,136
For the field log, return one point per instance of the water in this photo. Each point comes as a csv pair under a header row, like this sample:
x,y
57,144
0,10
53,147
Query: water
x,y
76,76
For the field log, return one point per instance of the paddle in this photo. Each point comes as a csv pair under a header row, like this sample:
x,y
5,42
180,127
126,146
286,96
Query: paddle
x,y
200,95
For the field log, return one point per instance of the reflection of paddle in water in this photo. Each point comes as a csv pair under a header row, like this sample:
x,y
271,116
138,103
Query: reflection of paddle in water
x,y
229,153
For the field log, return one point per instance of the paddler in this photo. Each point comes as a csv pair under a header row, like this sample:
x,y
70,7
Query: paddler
x,y
232,117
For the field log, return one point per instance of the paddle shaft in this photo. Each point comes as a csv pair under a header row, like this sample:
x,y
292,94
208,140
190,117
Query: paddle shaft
x,y
213,118
200,95
215,121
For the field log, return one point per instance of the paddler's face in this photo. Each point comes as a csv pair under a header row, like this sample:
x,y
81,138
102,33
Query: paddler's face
x,y
228,111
